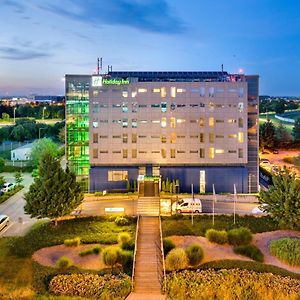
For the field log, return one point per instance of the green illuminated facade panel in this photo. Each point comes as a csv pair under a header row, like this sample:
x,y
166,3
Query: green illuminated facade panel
x,y
77,126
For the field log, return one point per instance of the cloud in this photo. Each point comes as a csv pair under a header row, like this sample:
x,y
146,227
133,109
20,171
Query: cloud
x,y
14,53
148,15
19,8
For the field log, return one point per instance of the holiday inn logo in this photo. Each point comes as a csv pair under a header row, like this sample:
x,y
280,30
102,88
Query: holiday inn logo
x,y
115,81
96,80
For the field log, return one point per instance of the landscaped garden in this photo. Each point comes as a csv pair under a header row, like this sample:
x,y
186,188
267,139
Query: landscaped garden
x,y
55,260
230,261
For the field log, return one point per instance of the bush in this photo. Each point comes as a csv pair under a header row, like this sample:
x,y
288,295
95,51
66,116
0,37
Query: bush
x,y
91,286
93,250
250,251
176,259
96,249
194,254
216,236
128,245
110,256
121,221
63,263
287,250
239,236
125,258
72,242
123,237
168,246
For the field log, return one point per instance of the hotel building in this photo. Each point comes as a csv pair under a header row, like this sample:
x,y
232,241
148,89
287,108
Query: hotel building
x,y
200,128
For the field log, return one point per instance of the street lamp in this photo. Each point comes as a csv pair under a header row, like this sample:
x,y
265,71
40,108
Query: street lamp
x,y
15,115
44,108
40,131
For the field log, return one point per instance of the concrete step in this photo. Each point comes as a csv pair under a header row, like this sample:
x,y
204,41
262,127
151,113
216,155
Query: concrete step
x,y
143,296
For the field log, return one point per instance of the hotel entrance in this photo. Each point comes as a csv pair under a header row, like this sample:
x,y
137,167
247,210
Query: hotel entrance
x,y
148,186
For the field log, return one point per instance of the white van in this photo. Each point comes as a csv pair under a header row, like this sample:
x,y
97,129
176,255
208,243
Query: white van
x,y
189,205
4,220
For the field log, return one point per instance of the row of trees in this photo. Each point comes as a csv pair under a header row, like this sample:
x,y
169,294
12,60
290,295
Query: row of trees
x,y
170,186
26,129
271,136
279,106
33,111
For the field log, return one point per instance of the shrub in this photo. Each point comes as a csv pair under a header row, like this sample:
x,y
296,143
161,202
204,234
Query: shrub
x,y
63,263
110,256
168,246
128,245
287,250
194,254
250,251
176,259
123,237
93,250
216,236
91,286
239,236
121,221
125,258
72,242
96,249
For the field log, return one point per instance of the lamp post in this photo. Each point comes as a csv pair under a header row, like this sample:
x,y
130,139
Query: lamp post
x,y
15,115
40,131
44,108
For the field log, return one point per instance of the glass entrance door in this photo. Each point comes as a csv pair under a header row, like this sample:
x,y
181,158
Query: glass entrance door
x,y
202,181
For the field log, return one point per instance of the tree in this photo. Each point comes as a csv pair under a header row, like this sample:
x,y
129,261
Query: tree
x,y
54,193
267,135
283,200
19,178
5,116
2,164
296,130
163,186
280,106
282,135
42,146
61,135
2,181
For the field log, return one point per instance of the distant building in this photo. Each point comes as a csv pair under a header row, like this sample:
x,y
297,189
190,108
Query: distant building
x,y
198,127
21,153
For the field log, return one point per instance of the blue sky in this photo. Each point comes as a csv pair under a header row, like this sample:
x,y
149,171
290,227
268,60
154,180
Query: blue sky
x,y
40,41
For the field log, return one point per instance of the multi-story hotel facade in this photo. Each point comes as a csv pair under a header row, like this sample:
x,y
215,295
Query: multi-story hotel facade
x,y
199,128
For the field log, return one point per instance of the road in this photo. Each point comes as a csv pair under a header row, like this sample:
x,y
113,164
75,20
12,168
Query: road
x,y
129,205
14,208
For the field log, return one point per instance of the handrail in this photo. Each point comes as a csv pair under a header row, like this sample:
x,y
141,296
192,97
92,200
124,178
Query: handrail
x,y
162,252
134,255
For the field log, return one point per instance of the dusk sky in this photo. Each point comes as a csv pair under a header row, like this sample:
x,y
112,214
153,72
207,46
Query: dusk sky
x,y
42,40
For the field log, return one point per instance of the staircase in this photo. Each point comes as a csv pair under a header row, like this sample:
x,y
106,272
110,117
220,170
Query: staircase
x,y
148,265
148,206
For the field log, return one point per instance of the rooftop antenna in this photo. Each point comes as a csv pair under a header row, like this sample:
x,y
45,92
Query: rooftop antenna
x,y
109,68
222,68
99,65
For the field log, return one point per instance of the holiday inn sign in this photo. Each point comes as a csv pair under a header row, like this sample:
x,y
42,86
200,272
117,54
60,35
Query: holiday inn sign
x,y
100,81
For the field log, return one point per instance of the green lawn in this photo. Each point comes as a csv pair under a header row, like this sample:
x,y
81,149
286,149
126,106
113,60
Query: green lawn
x,y
183,225
276,122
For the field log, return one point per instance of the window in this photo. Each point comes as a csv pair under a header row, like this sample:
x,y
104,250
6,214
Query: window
x,y
144,121
116,136
103,105
142,105
193,136
133,94
95,124
125,122
201,104
202,181
117,121
103,151
211,122
202,153
125,138
124,107
180,121
172,122
155,105
163,92
231,151
241,137
195,90
125,94
163,153
117,175
156,90
155,136
134,107
211,152
133,138
220,106
211,92
241,107
103,136
211,106
219,121
181,136
211,137
232,136
134,153
164,107
95,93
181,105
142,151
241,123
231,121
201,137
163,138
155,152
202,91
116,152
155,121
125,153
163,122
173,138
219,136
181,90
172,152
141,90
173,92
116,105
134,123
95,153
194,151
193,121
95,108
201,122
194,105
142,136
219,151
241,153
180,151
241,92
95,137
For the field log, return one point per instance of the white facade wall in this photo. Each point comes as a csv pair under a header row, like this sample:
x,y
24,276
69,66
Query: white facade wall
x,y
21,153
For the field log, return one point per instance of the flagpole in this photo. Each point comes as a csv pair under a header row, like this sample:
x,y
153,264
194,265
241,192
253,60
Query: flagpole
x,y
234,200
193,204
213,204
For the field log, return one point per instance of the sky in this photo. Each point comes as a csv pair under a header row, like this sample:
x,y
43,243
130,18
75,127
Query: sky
x,y
41,41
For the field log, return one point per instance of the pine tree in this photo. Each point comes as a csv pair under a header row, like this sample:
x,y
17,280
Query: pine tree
x,y
267,135
54,193
128,186
178,184
173,187
134,186
296,130
163,186
167,185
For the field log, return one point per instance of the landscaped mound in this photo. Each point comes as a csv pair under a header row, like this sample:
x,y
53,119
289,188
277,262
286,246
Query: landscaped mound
x,y
231,284
91,286
287,250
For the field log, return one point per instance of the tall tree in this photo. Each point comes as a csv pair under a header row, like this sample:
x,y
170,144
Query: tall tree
x,y
19,178
280,106
267,135
283,199
282,135
296,130
54,193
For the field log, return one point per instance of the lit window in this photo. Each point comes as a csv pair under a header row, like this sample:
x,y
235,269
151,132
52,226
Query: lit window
x,y
163,122
133,94
211,137
125,122
211,122
143,121
133,138
231,121
125,107
211,106
201,137
172,122
134,153
95,138
95,124
211,152
125,153
172,152
125,138
163,138
163,92
173,92
202,153
95,92
173,138
232,136
125,94
155,121
95,153
219,151
163,153
241,123
142,90
156,90
180,121
134,107
201,122
117,175
241,154
134,123
241,137
241,107
164,107
181,90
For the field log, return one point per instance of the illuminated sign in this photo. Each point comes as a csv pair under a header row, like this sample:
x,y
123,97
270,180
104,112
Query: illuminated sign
x,y
96,80
114,209
115,81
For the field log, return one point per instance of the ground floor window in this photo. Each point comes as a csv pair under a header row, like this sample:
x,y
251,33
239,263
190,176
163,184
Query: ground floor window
x,y
202,181
117,175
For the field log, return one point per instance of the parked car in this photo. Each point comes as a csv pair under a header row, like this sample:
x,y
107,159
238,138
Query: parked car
x,y
4,220
189,205
259,210
275,151
7,187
